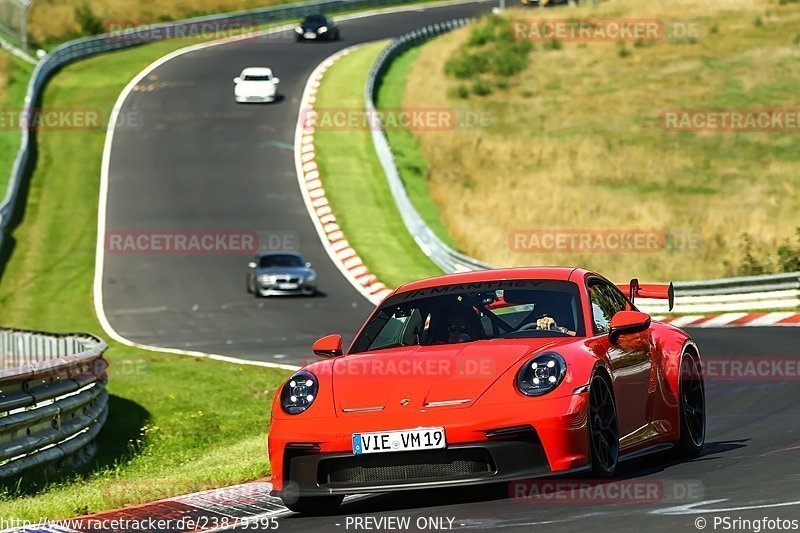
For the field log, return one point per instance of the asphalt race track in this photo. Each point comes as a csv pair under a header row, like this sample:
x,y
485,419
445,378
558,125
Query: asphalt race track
x,y
201,162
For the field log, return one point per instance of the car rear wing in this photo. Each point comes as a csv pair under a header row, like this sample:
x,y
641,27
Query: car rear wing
x,y
656,291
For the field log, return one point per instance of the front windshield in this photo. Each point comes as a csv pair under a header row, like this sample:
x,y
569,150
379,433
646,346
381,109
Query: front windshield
x,y
257,77
475,311
281,260
316,19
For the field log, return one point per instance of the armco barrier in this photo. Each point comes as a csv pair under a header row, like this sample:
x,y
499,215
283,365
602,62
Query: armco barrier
x,y
83,48
770,292
442,255
781,291
53,400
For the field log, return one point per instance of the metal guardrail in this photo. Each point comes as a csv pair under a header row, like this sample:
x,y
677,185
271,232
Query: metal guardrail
x,y
769,292
90,46
435,248
781,291
53,400
745,285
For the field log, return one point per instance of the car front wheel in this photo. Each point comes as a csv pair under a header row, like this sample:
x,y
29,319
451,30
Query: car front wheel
x,y
692,407
603,428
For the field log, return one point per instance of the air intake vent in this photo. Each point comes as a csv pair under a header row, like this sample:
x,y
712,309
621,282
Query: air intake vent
x,y
402,467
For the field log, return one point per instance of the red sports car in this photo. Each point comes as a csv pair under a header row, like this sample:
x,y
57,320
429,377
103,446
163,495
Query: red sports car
x,y
486,377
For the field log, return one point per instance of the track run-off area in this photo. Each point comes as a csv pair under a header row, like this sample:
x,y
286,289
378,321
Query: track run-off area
x,y
201,162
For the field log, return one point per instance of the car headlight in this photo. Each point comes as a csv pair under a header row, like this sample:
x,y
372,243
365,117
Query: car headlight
x,y
264,278
298,29
311,277
542,374
299,392
322,29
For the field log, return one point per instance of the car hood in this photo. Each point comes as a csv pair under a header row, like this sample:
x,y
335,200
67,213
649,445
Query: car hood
x,y
255,88
412,379
290,271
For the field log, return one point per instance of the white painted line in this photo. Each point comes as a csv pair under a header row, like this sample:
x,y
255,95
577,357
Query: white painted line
x,y
313,206
692,508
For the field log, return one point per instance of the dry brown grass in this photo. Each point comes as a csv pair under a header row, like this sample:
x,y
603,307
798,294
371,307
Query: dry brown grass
x,y
577,142
52,20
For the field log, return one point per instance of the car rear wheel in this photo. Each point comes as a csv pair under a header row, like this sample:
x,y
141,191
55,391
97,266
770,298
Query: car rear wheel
x,y
313,505
692,407
603,428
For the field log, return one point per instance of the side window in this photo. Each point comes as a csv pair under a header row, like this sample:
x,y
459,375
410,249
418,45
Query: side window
x,y
620,303
391,333
601,309
605,304
404,330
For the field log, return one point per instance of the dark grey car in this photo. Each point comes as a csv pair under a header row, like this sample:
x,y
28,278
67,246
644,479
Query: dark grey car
x,y
279,273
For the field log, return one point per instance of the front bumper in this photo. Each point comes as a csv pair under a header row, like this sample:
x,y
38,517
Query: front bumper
x,y
459,465
314,36
308,461
274,289
254,99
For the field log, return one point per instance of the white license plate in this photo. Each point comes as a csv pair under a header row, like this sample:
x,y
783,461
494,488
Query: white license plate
x,y
310,35
287,286
398,441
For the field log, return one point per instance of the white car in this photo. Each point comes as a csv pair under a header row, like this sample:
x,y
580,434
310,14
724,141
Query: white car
x,y
255,85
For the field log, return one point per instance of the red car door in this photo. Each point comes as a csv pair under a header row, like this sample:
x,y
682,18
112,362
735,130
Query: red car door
x,y
631,362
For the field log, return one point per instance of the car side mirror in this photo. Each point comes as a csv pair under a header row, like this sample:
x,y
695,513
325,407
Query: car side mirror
x,y
308,264
330,346
276,81
627,323
237,79
252,264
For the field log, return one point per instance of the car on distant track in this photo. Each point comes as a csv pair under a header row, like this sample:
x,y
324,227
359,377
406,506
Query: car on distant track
x,y
255,85
317,28
281,273
485,377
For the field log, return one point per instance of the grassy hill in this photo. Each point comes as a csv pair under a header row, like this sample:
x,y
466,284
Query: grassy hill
x,y
577,139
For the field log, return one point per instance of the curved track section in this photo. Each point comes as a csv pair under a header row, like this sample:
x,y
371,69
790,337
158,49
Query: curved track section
x,y
201,162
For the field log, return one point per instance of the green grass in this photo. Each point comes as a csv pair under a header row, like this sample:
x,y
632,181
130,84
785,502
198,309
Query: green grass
x,y
356,185
16,74
413,168
176,423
